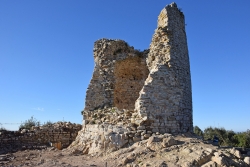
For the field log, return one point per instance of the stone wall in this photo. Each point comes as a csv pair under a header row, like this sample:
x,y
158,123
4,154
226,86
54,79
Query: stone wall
x,y
110,129
134,95
118,76
166,97
130,75
60,135
155,83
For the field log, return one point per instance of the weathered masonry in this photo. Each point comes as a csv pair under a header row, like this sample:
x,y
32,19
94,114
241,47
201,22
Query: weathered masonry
x,y
155,83
134,95
119,75
166,97
59,135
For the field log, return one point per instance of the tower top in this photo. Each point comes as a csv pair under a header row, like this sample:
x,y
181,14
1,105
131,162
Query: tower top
x,y
168,14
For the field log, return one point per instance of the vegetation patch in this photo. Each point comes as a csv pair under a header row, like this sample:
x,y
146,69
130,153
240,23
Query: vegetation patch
x,y
226,137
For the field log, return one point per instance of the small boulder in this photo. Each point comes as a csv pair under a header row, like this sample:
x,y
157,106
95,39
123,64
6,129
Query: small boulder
x,y
236,153
247,160
153,139
130,158
220,160
169,141
209,164
141,128
24,131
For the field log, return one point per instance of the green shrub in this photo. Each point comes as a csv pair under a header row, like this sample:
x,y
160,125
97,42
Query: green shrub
x,y
228,137
198,131
48,123
2,128
29,123
242,139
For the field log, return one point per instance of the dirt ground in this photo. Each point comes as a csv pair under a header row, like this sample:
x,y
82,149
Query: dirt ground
x,y
185,152
49,157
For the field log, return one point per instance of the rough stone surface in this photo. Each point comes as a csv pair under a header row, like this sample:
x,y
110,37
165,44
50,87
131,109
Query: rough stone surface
x,y
236,153
166,96
167,142
142,94
247,160
119,75
59,135
188,151
99,138
155,83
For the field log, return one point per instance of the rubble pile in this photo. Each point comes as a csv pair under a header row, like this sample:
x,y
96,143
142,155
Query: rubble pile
x,y
112,129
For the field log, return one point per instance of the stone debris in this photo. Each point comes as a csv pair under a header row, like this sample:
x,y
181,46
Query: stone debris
x,y
247,160
111,129
236,153
6,157
167,142
112,116
150,152
182,153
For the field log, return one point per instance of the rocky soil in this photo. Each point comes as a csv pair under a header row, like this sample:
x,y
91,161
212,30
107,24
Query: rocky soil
x,y
158,151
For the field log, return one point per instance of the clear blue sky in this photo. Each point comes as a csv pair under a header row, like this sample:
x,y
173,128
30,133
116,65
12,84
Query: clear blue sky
x,y
46,58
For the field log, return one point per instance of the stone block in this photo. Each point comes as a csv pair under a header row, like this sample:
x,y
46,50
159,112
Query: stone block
x,y
247,160
141,127
154,130
147,135
149,132
136,139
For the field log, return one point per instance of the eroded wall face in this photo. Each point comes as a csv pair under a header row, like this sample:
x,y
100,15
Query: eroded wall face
x,y
130,75
119,75
166,98
156,84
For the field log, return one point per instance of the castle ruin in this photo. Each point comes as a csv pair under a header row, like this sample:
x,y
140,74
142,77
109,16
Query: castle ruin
x,y
133,95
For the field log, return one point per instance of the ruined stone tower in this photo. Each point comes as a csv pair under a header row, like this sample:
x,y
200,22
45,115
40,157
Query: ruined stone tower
x,y
166,97
133,95
157,84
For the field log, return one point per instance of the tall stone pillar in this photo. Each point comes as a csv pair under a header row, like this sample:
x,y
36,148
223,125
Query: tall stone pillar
x,y
166,98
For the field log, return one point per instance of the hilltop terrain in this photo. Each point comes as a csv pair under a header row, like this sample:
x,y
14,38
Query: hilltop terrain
x,y
157,151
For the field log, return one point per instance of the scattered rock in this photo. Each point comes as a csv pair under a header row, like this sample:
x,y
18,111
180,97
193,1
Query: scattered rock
x,y
220,159
169,141
210,164
236,153
247,160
